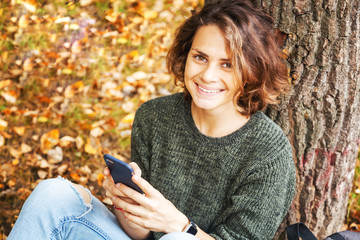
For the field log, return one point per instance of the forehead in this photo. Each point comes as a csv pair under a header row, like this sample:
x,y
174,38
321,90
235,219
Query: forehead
x,y
211,40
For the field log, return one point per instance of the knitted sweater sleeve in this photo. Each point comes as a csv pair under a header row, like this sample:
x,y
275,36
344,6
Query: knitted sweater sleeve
x,y
140,149
261,201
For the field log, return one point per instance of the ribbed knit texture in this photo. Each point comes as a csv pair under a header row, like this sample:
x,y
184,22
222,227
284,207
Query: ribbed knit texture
x,y
239,186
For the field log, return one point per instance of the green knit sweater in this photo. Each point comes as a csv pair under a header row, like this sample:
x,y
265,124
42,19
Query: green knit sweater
x,y
239,186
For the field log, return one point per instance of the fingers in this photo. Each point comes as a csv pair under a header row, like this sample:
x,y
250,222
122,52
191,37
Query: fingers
x,y
106,172
136,168
129,207
145,186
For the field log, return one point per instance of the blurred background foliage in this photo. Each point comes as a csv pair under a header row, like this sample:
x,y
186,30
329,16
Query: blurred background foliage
x,y
72,74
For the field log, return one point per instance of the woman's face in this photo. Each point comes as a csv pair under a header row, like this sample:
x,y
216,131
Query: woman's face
x,y
209,74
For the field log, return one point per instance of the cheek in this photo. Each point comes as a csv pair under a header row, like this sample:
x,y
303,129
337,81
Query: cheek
x,y
191,70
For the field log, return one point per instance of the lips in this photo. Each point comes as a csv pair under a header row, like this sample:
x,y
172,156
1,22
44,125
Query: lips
x,y
207,90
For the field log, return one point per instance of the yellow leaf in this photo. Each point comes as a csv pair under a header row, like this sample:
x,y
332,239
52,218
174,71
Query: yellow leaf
x,y
3,124
4,56
19,130
79,86
149,14
42,119
5,83
74,26
89,148
67,71
122,41
24,21
134,53
128,118
11,29
112,17
15,162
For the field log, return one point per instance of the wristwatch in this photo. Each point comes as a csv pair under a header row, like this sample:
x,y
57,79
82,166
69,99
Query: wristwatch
x,y
191,228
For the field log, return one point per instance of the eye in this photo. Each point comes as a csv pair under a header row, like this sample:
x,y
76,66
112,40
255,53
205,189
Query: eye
x,y
200,58
226,65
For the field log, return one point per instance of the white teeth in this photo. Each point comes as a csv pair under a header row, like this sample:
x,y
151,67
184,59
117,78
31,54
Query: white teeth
x,y
208,91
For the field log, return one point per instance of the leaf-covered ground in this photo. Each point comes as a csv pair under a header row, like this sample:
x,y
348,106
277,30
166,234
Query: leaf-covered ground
x,y
72,75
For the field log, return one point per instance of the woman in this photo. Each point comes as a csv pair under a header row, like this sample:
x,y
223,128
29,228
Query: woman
x,y
211,164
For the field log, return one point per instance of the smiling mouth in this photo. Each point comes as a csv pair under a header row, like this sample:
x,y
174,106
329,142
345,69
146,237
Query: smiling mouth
x,y
209,90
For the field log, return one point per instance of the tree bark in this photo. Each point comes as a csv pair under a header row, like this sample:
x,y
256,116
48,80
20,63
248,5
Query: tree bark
x,y
322,114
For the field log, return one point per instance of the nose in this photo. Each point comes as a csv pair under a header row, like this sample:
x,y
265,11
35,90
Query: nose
x,y
210,73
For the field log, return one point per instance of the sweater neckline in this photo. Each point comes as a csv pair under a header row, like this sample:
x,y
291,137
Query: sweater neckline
x,y
220,141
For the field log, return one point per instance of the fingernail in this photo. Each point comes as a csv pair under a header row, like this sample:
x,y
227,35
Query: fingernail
x,y
136,178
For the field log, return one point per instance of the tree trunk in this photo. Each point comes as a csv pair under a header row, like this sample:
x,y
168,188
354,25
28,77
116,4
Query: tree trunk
x,y
322,114
321,117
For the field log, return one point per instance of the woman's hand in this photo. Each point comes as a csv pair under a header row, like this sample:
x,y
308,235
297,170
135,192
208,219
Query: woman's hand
x,y
152,210
112,191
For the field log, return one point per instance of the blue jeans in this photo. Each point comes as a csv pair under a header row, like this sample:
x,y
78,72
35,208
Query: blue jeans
x,y
55,210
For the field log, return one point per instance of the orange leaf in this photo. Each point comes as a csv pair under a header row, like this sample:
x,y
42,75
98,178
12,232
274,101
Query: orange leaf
x,y
12,183
44,99
100,179
9,96
75,176
49,139
51,55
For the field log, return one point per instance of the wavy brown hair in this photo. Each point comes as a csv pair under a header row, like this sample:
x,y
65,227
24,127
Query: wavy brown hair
x,y
260,71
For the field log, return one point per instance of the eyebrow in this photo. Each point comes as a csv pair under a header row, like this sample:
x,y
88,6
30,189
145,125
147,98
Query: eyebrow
x,y
205,55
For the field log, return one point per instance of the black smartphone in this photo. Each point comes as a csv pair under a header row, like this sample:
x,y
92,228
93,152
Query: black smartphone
x,y
121,172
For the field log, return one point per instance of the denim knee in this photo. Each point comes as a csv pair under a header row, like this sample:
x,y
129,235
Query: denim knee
x,y
52,194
